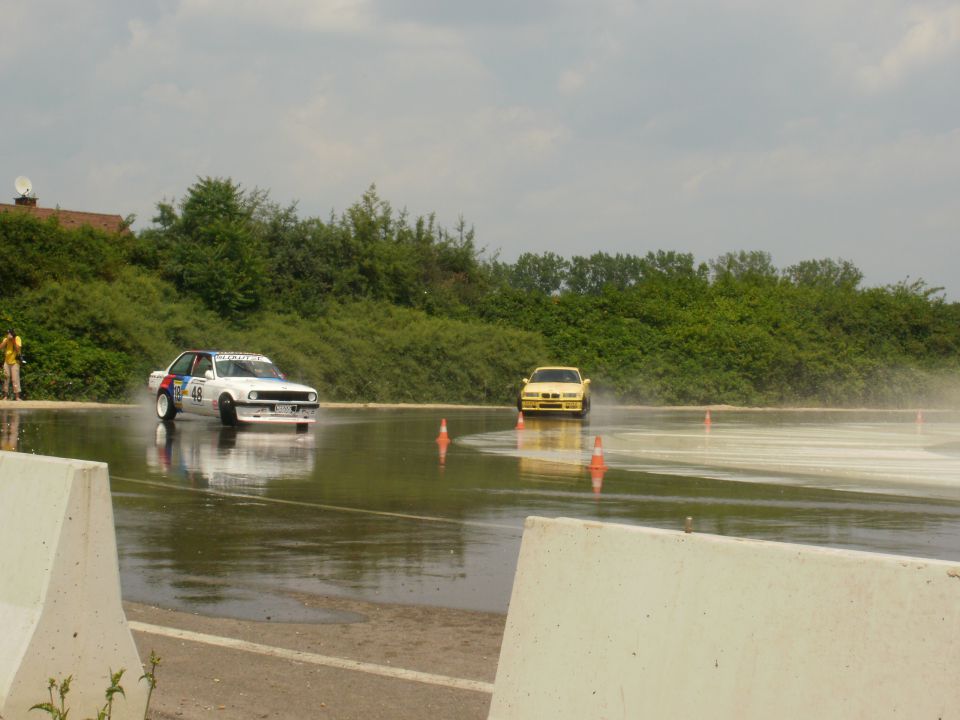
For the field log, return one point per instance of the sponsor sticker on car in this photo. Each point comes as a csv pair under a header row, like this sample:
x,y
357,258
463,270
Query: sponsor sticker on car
x,y
240,356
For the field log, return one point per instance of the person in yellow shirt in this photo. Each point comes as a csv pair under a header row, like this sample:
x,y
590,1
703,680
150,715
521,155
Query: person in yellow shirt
x,y
10,347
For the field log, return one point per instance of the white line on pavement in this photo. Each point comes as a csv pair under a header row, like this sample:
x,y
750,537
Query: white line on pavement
x,y
320,506
313,658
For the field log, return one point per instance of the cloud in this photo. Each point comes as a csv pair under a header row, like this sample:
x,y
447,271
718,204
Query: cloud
x,y
932,36
574,79
551,125
692,184
496,14
307,15
15,37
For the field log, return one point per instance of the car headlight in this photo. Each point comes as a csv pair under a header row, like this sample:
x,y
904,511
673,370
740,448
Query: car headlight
x,y
311,397
252,395
530,394
571,395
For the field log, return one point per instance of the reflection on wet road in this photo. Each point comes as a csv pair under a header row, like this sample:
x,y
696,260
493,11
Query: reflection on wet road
x,y
897,458
250,523
226,458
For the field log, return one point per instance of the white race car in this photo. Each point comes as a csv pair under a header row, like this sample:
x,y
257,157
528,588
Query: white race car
x,y
237,387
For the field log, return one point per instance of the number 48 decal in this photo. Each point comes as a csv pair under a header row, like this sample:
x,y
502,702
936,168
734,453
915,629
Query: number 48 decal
x,y
196,393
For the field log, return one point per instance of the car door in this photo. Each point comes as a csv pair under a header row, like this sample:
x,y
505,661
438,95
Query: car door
x,y
196,399
179,376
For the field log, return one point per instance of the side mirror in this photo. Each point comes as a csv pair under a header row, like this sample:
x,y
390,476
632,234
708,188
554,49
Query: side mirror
x,y
587,381
526,380
208,374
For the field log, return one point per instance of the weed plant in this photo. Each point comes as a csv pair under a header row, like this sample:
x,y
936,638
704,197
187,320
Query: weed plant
x,y
57,690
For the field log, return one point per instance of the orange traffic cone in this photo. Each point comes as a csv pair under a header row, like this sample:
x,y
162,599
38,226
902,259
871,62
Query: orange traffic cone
x,y
520,421
443,440
596,463
706,420
919,417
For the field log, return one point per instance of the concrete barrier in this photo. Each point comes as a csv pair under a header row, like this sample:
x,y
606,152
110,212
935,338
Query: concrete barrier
x,y
611,621
60,610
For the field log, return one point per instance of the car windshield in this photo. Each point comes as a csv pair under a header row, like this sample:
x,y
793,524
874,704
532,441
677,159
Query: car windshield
x,y
238,368
557,375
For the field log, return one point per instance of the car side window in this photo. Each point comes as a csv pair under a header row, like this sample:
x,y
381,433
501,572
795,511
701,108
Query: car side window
x,y
183,364
204,363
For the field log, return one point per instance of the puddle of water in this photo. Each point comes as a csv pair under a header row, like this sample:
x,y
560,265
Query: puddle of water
x,y
228,522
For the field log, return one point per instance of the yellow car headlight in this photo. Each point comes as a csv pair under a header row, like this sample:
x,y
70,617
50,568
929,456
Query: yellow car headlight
x,y
571,395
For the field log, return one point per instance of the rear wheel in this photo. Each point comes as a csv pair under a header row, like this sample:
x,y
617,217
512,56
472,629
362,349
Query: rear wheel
x,y
302,427
228,411
165,407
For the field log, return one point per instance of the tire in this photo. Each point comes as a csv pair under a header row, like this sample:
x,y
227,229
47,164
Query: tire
x,y
166,410
519,404
302,427
228,411
586,409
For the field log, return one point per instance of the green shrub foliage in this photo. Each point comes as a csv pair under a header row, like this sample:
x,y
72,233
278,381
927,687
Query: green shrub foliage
x,y
374,305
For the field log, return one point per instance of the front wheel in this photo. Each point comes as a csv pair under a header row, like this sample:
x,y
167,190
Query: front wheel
x,y
586,409
165,407
228,411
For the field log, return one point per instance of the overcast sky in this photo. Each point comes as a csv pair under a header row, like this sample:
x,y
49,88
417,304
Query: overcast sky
x,y
824,128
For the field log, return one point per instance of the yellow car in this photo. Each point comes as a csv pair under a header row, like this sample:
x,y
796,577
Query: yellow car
x,y
555,390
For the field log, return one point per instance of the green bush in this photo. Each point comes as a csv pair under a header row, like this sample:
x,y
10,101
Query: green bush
x,y
371,305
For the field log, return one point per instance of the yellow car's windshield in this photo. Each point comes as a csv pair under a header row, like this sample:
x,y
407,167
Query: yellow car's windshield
x,y
557,375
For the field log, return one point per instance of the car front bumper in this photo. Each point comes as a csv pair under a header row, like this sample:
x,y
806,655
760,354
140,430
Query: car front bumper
x,y
551,405
294,412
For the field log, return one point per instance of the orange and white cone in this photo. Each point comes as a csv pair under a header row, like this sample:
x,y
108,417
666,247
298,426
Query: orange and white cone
x,y
519,421
443,438
919,417
596,463
706,420
443,441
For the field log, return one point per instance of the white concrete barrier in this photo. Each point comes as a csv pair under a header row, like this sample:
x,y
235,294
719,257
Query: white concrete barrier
x,y
611,621
60,609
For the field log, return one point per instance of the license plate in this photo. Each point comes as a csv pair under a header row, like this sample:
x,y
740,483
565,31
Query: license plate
x,y
283,409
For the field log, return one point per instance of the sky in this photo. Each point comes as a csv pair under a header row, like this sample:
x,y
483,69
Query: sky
x,y
820,129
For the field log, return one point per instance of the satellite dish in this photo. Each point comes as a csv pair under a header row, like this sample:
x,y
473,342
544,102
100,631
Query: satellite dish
x,y
23,186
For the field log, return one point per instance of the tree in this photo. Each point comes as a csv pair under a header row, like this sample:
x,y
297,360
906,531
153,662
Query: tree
x,y
825,273
544,273
214,247
671,265
754,266
591,275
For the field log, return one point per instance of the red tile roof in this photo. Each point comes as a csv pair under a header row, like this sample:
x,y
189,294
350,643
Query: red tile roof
x,y
71,219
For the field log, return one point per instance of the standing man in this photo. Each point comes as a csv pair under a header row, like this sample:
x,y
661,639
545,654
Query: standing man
x,y
10,347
